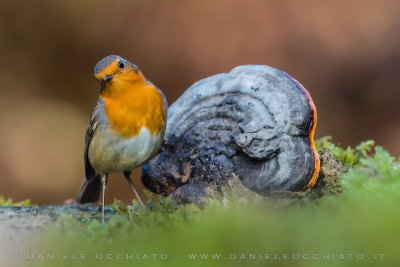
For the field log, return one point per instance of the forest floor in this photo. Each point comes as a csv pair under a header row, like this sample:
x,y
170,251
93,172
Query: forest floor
x,y
350,218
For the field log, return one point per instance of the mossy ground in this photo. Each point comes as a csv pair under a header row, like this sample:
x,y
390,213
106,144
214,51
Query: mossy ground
x,y
362,219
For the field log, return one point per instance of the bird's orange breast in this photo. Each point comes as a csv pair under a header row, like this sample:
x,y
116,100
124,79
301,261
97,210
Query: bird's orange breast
x,y
141,105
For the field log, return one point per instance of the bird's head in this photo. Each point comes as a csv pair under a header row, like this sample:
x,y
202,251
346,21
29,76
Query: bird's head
x,y
117,75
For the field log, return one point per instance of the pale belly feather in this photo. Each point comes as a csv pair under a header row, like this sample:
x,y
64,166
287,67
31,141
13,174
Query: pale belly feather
x,y
110,152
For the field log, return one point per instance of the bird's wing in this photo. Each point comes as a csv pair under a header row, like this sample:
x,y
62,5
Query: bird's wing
x,y
89,171
91,187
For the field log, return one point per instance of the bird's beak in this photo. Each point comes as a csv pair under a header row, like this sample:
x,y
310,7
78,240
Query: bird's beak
x,y
103,81
108,77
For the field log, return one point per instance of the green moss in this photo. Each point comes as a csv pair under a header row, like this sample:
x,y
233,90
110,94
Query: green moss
x,y
10,203
362,219
349,156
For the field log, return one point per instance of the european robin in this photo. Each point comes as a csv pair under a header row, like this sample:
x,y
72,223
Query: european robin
x,y
126,126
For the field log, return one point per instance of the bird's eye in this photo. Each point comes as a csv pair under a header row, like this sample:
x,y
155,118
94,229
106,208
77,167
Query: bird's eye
x,y
121,65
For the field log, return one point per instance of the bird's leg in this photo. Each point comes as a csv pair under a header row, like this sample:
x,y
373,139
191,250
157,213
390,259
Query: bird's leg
x,y
128,177
103,182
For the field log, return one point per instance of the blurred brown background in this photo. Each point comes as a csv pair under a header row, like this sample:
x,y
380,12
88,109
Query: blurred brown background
x,y
346,53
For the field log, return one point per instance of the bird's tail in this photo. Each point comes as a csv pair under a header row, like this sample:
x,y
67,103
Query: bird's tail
x,y
90,191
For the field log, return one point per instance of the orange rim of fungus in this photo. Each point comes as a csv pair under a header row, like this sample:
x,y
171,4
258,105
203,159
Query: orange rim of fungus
x,y
313,125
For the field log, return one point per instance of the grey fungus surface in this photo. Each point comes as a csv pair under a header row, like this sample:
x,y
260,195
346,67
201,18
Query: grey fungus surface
x,y
255,123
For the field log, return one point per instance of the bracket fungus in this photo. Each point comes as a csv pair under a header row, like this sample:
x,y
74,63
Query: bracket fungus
x,y
256,123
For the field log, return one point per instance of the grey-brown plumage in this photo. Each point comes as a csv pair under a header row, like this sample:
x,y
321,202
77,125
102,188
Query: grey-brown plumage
x,y
102,64
91,187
